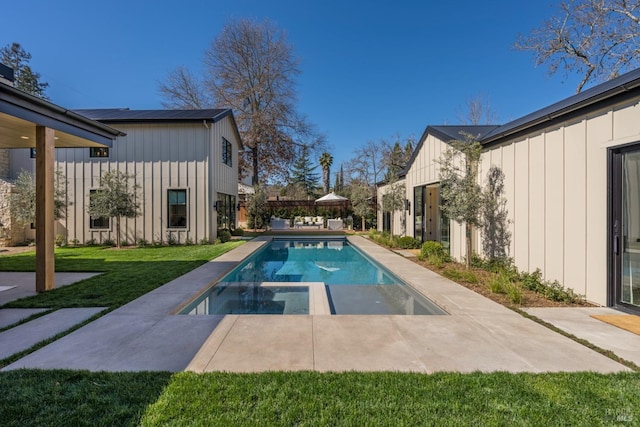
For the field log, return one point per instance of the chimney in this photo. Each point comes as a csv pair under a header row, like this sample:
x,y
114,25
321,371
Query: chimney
x,y
6,75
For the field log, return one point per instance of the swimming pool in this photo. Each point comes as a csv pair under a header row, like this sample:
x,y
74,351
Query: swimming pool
x,y
302,275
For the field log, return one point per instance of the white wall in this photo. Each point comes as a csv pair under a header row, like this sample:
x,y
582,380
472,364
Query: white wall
x,y
556,191
162,156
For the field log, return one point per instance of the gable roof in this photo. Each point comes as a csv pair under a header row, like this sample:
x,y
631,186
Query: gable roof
x,y
127,115
448,133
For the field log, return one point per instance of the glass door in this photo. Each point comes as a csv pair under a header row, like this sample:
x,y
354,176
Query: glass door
x,y
630,286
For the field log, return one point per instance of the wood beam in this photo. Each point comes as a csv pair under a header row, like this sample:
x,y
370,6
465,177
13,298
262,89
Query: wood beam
x,y
45,222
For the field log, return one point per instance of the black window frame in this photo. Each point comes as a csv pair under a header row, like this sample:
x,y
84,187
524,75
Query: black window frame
x,y
181,218
227,153
99,152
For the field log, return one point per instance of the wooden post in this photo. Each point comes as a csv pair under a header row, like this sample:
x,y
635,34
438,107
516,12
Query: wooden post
x,y
45,222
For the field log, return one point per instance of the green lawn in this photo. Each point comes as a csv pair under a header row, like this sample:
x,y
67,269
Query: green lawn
x,y
317,399
128,273
64,398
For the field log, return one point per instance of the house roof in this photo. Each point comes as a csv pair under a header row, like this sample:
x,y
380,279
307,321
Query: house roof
x,y
126,115
20,112
447,133
626,84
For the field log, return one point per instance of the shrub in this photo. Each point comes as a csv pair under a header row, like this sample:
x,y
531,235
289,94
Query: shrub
x,y
143,243
432,250
188,241
60,240
90,242
551,290
74,242
514,293
171,239
224,235
237,232
205,241
108,242
408,242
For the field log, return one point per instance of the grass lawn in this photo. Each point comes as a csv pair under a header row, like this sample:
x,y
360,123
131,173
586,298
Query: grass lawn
x,y
128,273
64,398
317,399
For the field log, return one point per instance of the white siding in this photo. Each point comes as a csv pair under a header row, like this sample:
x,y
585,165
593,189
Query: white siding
x,y
161,156
556,190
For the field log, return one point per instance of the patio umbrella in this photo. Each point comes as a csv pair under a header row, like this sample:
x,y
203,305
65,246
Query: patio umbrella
x,y
334,200
331,197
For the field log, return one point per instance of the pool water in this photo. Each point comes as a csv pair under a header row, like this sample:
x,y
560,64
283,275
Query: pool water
x,y
353,284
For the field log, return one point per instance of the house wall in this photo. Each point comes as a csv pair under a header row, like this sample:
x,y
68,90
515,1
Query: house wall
x,y
161,156
423,171
398,217
556,191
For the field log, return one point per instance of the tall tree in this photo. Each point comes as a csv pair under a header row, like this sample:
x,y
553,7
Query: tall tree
x,y
257,209
303,175
598,39
183,91
14,56
477,111
251,68
368,163
115,198
461,194
326,160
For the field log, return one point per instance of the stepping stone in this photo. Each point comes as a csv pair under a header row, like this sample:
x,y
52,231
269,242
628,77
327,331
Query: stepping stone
x,y
9,316
28,334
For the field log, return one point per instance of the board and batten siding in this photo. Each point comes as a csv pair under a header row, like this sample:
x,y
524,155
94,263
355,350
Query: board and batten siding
x,y
425,170
161,156
556,192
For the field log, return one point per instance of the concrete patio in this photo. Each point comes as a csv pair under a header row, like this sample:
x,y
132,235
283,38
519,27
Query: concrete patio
x,y
477,335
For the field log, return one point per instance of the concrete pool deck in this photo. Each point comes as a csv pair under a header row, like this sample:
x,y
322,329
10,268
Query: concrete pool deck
x,y
477,335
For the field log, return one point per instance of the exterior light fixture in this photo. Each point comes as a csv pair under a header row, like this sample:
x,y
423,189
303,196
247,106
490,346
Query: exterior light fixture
x,y
407,205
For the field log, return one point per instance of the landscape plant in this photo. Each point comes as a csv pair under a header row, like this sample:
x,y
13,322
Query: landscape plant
x,y
115,198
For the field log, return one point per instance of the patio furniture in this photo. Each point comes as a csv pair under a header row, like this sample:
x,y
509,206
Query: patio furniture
x,y
279,224
334,224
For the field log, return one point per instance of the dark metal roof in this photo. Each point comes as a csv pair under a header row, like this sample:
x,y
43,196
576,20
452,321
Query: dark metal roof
x,y
20,112
127,115
452,133
589,98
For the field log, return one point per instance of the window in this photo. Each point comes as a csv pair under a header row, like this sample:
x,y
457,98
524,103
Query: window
x,y
177,205
227,154
100,222
99,152
226,211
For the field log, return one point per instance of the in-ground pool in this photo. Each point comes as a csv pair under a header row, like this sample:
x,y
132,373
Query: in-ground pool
x,y
292,276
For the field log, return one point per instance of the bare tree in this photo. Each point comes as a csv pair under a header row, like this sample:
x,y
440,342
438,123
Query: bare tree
x,y
251,68
183,91
598,39
477,111
368,163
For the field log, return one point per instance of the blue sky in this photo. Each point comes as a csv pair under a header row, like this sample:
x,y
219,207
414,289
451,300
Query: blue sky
x,y
370,69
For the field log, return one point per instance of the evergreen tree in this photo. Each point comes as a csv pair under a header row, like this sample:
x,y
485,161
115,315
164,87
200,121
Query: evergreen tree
x,y
303,176
25,79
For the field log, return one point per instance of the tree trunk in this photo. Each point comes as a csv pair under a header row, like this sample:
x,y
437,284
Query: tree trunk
x,y
254,152
363,223
468,240
118,232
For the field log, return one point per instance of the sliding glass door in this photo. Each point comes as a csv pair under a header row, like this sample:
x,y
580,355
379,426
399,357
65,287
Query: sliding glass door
x,y
626,228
